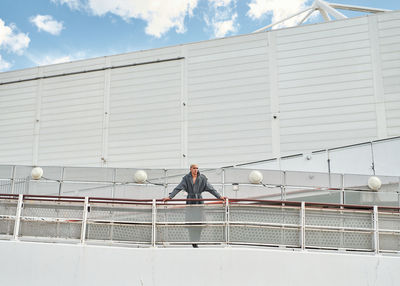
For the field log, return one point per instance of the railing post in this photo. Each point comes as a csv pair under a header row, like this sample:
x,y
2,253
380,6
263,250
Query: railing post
x,y
84,219
376,230
342,191
61,181
153,223
18,216
223,182
13,180
303,225
283,187
227,222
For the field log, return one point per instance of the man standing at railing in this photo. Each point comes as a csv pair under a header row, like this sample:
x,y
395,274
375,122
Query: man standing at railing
x,y
194,184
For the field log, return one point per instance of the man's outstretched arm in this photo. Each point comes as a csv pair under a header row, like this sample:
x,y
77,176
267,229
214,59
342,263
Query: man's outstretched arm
x,y
178,188
214,192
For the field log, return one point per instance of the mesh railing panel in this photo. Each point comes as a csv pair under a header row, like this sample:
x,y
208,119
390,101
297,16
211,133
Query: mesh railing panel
x,y
8,207
276,215
121,213
339,218
246,222
190,233
52,210
389,241
7,226
190,213
339,239
389,221
119,232
66,230
264,235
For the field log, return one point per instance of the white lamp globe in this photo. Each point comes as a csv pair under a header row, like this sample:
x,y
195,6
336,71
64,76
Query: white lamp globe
x,y
255,177
374,183
140,177
36,173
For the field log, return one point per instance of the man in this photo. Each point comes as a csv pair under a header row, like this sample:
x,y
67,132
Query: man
x,y
194,184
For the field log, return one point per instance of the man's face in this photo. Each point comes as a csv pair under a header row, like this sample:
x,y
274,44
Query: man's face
x,y
194,169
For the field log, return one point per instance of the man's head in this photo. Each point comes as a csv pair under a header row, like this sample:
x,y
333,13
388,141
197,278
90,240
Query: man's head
x,y
194,169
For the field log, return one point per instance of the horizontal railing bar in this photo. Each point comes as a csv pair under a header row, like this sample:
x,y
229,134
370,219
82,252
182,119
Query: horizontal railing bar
x,y
265,244
391,231
48,219
242,223
7,217
54,197
111,242
95,221
344,229
339,248
189,223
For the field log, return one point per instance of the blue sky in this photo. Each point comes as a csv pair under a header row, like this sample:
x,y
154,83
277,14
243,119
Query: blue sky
x,y
40,32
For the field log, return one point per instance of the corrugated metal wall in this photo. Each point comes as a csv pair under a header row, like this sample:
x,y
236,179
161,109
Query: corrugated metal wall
x,y
217,102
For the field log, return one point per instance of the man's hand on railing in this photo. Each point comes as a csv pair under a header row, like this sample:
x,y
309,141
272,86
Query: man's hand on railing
x,y
223,198
165,199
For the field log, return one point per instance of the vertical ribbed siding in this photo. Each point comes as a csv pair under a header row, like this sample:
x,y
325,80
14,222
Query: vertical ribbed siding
x,y
17,119
389,41
228,105
213,100
71,120
325,85
144,125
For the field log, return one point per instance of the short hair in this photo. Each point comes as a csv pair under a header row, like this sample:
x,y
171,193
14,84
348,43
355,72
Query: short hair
x,y
191,165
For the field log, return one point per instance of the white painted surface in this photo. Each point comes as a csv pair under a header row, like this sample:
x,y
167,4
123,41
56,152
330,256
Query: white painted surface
x,y
213,103
25,263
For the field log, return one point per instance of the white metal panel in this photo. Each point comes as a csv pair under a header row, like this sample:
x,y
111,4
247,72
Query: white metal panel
x,y
17,119
145,56
387,157
144,124
75,66
212,101
105,265
389,44
325,100
71,120
360,157
228,115
18,75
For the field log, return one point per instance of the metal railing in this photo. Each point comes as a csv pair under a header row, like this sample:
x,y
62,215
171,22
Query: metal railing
x,y
276,185
153,223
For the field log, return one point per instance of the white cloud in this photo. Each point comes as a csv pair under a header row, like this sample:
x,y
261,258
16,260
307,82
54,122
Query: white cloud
x,y
223,19
280,9
73,4
4,65
55,59
220,3
11,39
161,16
47,23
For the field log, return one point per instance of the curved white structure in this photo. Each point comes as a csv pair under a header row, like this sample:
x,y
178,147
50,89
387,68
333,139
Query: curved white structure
x,y
217,103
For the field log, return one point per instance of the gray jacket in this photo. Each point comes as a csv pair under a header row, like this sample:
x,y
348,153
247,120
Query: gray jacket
x,y
194,190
